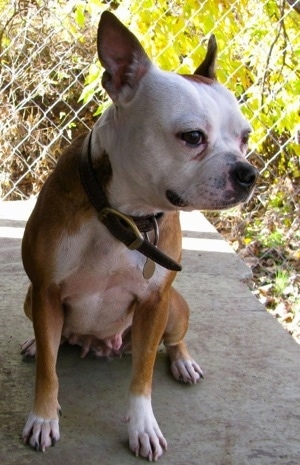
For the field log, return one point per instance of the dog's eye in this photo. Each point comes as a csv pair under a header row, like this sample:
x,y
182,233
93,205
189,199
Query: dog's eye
x,y
193,138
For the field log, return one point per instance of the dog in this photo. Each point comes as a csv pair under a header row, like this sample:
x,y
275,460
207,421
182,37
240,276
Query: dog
x,y
103,243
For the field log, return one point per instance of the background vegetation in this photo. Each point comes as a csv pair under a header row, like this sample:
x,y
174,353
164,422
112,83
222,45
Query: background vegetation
x,y
50,91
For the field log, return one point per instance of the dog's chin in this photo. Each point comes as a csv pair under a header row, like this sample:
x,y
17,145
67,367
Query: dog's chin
x,y
225,204
220,204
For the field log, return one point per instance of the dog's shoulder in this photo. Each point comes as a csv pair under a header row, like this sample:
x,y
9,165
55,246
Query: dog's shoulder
x,y
69,159
62,201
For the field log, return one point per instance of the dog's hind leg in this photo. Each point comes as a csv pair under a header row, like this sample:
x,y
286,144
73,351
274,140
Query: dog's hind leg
x,y
183,367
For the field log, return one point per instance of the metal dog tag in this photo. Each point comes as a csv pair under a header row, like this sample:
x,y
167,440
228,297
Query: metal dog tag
x,y
149,268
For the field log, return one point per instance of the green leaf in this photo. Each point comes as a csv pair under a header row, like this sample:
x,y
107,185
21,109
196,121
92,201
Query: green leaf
x,y
79,15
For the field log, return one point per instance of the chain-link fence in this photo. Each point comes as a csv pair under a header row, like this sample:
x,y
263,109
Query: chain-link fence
x,y
43,65
46,52
50,92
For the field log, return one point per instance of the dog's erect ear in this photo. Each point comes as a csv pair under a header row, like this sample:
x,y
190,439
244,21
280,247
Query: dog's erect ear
x,y
123,57
208,66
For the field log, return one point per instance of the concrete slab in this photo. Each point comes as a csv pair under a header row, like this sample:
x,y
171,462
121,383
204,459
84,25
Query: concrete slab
x,y
245,411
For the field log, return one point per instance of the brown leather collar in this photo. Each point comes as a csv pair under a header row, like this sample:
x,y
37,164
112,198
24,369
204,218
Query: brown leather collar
x,y
127,229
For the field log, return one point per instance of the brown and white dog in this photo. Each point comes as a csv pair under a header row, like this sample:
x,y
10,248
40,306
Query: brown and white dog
x,y
102,244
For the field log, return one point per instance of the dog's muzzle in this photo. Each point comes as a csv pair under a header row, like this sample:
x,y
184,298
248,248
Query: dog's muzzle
x,y
229,187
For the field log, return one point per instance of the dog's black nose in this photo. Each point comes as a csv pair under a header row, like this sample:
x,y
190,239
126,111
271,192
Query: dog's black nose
x,y
244,174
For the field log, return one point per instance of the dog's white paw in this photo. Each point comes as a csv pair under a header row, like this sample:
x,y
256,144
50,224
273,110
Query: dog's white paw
x,y
28,349
186,370
40,433
145,436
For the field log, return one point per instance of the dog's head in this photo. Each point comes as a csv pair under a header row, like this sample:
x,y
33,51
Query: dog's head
x,y
174,141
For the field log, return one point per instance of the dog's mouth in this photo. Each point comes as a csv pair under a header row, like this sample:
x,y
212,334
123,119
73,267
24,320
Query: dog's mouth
x,y
175,199
227,199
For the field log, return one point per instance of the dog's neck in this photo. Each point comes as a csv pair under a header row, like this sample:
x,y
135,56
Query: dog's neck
x,y
125,228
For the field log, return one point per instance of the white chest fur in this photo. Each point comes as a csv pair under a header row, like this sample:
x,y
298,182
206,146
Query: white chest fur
x,y
100,279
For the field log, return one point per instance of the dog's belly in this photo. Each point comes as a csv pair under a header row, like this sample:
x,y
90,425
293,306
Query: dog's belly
x,y
98,304
99,308
100,314
98,322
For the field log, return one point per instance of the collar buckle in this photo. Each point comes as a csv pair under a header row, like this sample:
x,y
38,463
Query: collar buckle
x,y
139,239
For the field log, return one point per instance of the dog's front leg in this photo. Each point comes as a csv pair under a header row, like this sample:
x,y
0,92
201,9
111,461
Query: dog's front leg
x,y
183,367
149,321
42,429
